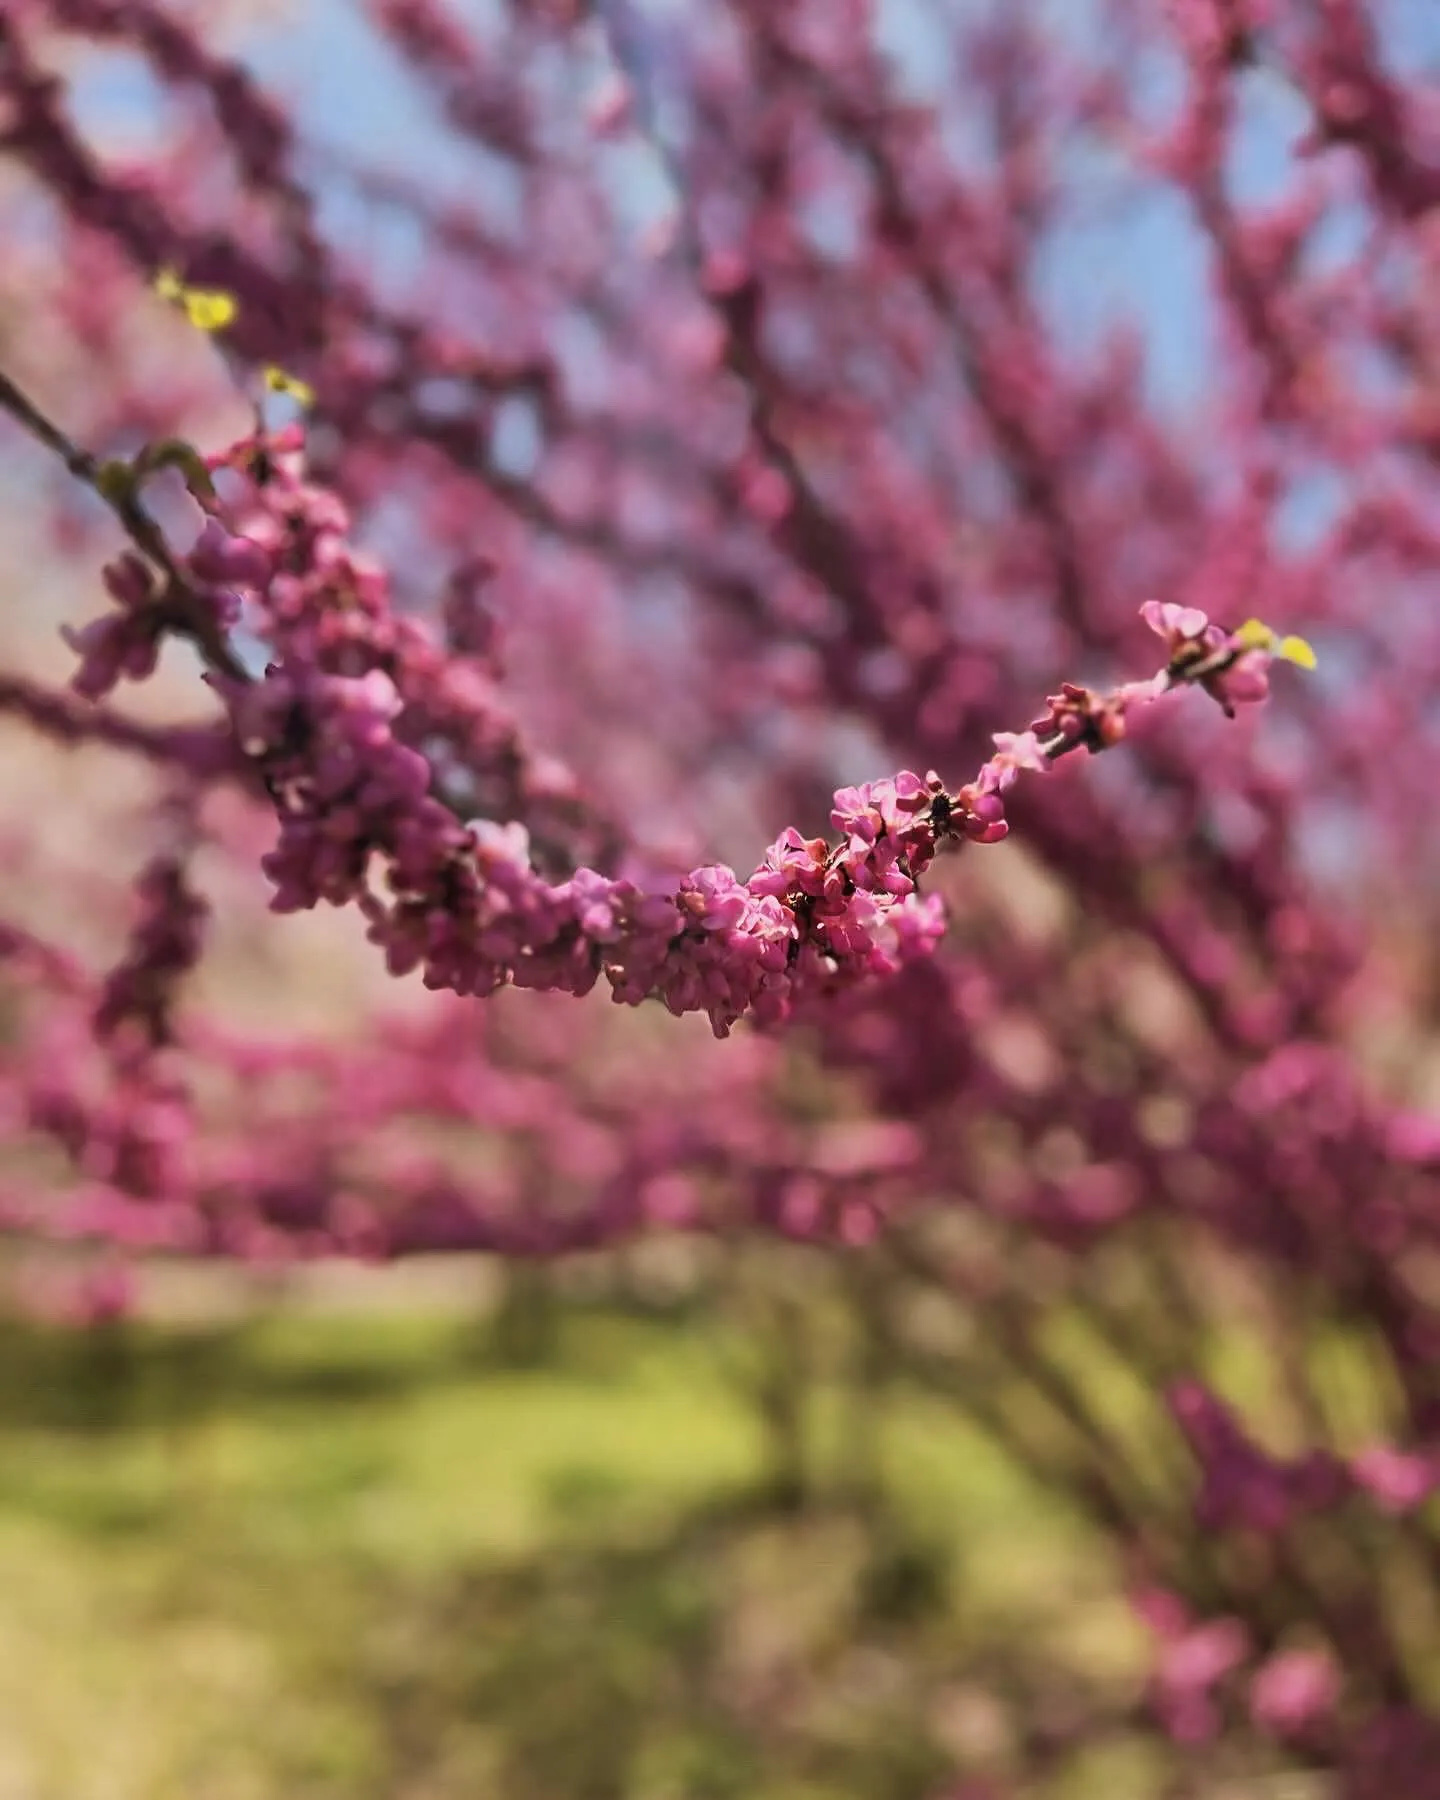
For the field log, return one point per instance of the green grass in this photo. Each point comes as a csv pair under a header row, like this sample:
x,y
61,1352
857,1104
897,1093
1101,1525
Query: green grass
x,y
325,1557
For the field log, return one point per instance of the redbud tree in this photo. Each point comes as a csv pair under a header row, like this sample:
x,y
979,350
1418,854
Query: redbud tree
x,y
616,525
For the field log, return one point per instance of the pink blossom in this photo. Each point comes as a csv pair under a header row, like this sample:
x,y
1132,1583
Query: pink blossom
x,y
1294,1689
1400,1481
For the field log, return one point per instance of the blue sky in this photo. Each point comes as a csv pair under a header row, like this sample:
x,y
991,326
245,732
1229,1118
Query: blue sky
x,y
1145,261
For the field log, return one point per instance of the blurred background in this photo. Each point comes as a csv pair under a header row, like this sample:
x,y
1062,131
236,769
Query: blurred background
x,y
825,386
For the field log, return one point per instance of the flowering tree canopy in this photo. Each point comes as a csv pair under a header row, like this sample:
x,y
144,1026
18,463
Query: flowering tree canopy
x,y
693,418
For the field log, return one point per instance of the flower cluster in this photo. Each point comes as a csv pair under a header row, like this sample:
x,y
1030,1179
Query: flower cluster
x,y
1207,1665
368,817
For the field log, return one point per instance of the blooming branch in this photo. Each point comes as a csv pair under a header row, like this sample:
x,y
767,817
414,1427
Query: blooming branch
x,y
335,721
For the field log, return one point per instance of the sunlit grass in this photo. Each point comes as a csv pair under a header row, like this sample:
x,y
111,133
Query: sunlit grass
x,y
326,1556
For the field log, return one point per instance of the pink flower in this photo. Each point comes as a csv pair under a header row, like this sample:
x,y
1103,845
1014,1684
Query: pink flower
x,y
713,898
220,558
1191,1667
1292,1690
1177,625
1398,1480
1015,750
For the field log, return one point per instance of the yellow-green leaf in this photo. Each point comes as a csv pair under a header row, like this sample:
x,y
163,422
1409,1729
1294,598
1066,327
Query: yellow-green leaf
x,y
1296,650
115,481
1255,634
208,309
279,382
176,453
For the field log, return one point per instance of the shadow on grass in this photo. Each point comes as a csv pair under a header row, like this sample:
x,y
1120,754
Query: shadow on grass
x,y
117,1376
114,1378
735,1653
